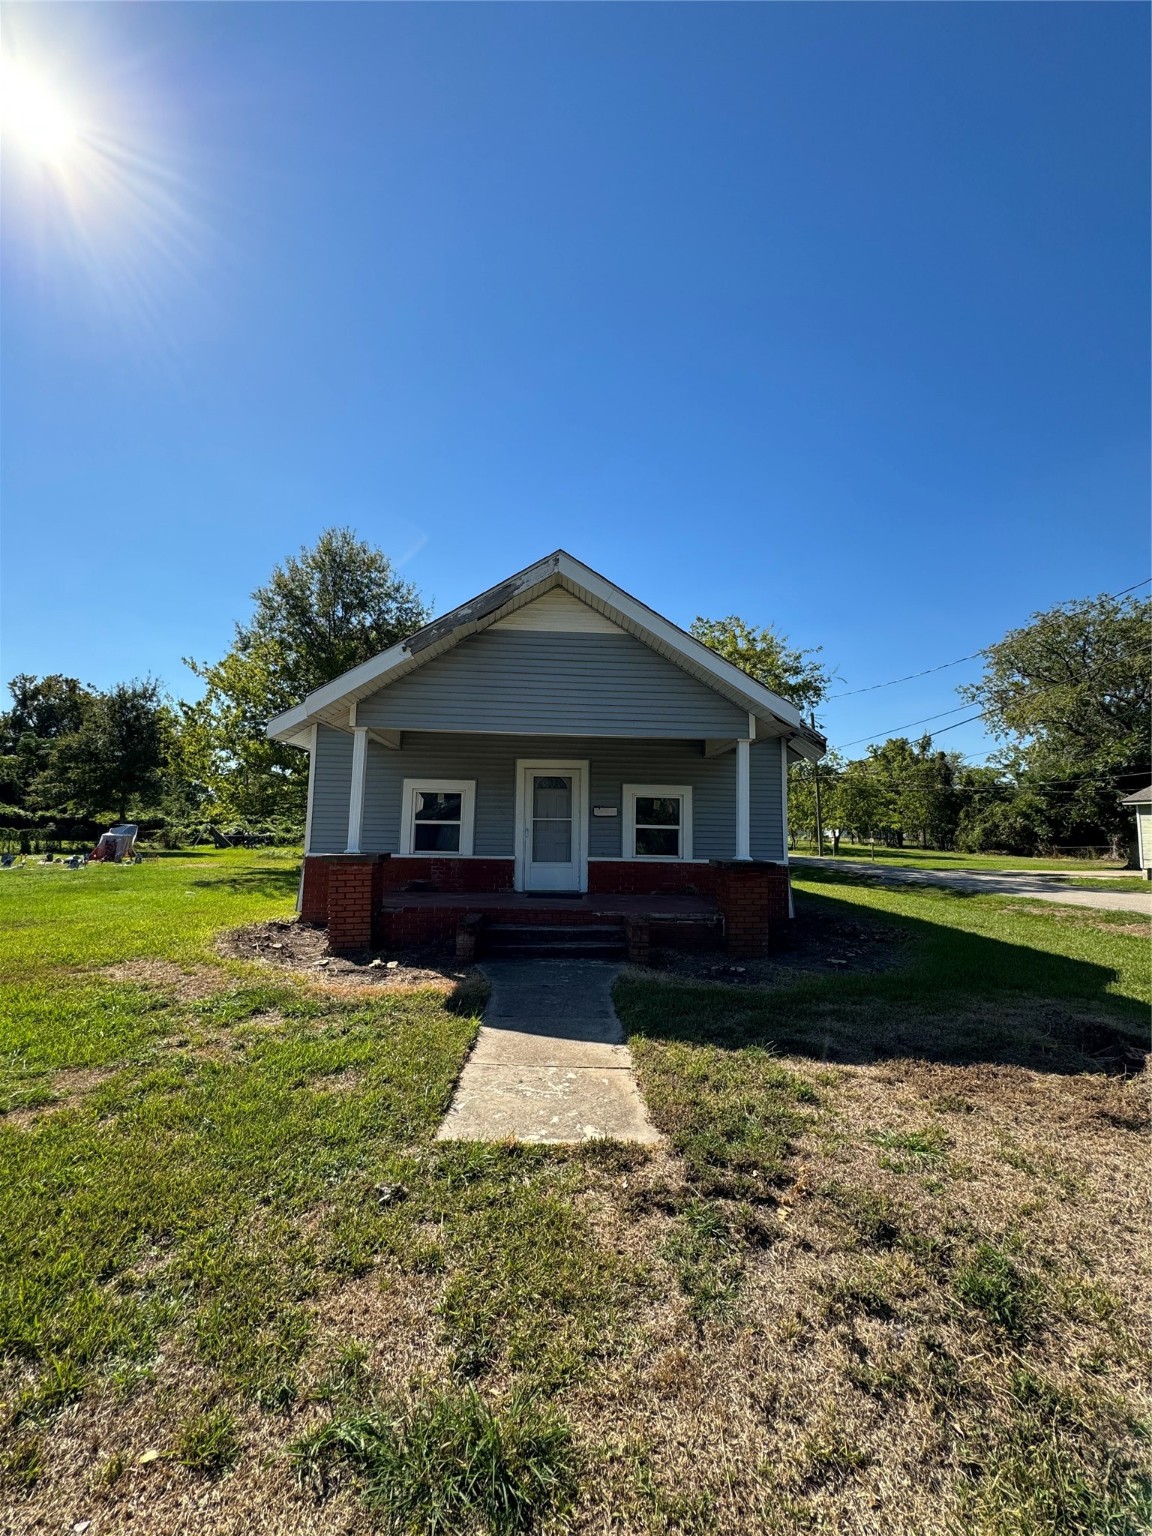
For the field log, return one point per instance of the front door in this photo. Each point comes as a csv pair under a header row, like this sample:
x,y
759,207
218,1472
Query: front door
x,y
552,827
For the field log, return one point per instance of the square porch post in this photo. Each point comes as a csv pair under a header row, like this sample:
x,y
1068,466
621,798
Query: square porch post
x,y
356,796
743,800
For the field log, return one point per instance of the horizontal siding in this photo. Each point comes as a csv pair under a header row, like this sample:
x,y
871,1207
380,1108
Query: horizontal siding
x,y
558,611
332,787
553,684
491,762
767,839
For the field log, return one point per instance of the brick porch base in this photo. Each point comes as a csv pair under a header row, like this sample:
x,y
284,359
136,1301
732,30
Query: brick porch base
x,y
377,899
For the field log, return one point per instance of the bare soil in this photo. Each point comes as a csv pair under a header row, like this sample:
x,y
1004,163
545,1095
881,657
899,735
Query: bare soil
x,y
299,947
818,943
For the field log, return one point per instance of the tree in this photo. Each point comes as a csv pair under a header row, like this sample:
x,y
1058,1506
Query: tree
x,y
43,709
1072,691
322,612
115,754
766,655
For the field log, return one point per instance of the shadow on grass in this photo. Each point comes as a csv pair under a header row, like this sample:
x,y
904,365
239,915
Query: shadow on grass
x,y
255,882
962,998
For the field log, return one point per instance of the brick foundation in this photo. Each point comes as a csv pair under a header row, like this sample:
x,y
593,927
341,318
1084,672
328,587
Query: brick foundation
x,y
347,892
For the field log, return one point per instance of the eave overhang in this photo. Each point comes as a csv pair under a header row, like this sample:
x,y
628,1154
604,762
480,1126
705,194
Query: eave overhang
x,y
335,703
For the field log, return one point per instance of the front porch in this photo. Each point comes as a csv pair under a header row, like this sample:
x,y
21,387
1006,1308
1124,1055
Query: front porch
x,y
386,901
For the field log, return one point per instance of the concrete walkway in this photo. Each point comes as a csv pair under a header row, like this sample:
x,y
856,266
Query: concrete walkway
x,y
550,1062
1035,887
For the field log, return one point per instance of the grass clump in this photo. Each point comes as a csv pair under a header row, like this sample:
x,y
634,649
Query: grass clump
x,y
706,1258
451,1465
991,1283
209,1443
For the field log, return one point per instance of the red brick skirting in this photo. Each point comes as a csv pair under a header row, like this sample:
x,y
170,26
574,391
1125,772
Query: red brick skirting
x,y
347,891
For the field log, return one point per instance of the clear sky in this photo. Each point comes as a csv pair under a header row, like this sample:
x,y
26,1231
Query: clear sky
x,y
832,316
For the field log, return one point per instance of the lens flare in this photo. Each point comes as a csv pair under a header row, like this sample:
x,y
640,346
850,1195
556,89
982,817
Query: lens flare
x,y
34,115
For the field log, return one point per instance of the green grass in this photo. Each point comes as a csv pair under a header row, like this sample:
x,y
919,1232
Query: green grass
x,y
224,1217
1135,883
927,858
452,1464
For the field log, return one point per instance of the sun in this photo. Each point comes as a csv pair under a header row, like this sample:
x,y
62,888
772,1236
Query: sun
x,y
32,113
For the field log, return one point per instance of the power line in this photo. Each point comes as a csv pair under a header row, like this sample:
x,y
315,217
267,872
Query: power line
x,y
944,665
906,726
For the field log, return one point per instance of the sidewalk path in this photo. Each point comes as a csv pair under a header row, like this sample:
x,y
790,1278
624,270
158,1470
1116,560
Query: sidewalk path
x,y
550,1062
991,883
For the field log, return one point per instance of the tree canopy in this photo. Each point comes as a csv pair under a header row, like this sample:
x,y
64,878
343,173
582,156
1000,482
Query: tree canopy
x,y
321,612
765,654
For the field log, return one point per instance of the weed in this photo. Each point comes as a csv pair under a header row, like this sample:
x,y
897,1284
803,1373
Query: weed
x,y
1008,1297
451,1464
706,1258
208,1443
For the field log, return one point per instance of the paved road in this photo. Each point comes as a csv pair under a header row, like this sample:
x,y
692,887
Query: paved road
x,y
993,883
550,1062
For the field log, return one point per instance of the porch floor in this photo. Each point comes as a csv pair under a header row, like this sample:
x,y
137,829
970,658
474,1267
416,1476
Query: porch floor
x,y
581,907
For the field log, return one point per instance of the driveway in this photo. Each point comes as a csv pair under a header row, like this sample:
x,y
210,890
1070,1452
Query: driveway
x,y
992,883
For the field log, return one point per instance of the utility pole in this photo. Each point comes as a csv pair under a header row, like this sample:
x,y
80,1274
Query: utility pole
x,y
816,776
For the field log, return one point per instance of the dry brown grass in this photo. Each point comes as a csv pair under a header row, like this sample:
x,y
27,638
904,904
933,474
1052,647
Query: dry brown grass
x,y
187,984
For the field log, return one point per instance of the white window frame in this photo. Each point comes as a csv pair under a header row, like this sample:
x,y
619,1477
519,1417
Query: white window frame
x,y
465,788
634,792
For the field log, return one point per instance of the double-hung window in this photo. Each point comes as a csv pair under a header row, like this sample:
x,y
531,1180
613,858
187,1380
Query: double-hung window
x,y
657,821
437,816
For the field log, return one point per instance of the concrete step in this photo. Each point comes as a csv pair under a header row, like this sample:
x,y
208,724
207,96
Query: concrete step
x,y
554,941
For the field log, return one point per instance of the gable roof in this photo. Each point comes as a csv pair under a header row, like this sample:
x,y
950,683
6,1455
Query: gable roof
x,y
1141,797
331,704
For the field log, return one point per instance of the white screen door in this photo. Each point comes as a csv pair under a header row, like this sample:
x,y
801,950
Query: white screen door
x,y
552,830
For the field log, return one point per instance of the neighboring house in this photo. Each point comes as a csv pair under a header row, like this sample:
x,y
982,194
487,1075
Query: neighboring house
x,y
551,765
1142,801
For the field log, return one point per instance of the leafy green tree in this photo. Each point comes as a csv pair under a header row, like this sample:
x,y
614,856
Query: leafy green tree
x,y
43,709
1071,691
114,756
321,612
765,654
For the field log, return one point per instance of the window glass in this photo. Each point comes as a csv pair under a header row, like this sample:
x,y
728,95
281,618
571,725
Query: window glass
x,y
658,842
436,837
658,826
431,806
658,811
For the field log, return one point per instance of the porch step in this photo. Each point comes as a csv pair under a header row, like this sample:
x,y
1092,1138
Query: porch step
x,y
554,941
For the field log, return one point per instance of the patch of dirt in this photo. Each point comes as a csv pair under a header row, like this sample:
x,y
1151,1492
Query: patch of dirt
x,y
299,947
818,942
188,983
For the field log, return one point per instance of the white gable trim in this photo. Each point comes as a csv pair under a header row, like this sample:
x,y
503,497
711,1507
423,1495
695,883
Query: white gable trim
x,y
775,715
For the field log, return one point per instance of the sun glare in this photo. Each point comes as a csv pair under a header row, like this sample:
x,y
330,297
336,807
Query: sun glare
x,y
32,113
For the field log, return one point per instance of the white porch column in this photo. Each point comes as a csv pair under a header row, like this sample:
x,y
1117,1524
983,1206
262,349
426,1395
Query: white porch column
x,y
356,798
743,799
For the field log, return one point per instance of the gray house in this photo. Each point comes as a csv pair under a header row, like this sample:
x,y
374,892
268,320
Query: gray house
x,y
552,765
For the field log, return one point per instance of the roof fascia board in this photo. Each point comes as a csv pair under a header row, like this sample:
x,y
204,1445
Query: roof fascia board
x,y
479,612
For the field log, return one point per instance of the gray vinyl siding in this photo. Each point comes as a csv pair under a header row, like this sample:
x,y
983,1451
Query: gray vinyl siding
x,y
332,789
553,684
491,762
767,830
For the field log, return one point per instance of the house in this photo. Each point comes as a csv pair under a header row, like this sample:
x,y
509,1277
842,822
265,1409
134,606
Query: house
x,y
551,767
1142,801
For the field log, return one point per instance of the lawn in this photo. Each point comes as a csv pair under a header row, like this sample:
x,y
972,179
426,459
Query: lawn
x,y
886,1275
925,858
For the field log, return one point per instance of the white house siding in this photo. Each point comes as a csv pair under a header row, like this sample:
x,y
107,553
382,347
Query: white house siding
x,y
537,682
491,761
1144,836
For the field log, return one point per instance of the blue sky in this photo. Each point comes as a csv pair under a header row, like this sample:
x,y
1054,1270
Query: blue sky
x,y
832,316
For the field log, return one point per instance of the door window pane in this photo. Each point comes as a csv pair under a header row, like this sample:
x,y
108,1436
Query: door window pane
x,y
551,842
551,797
